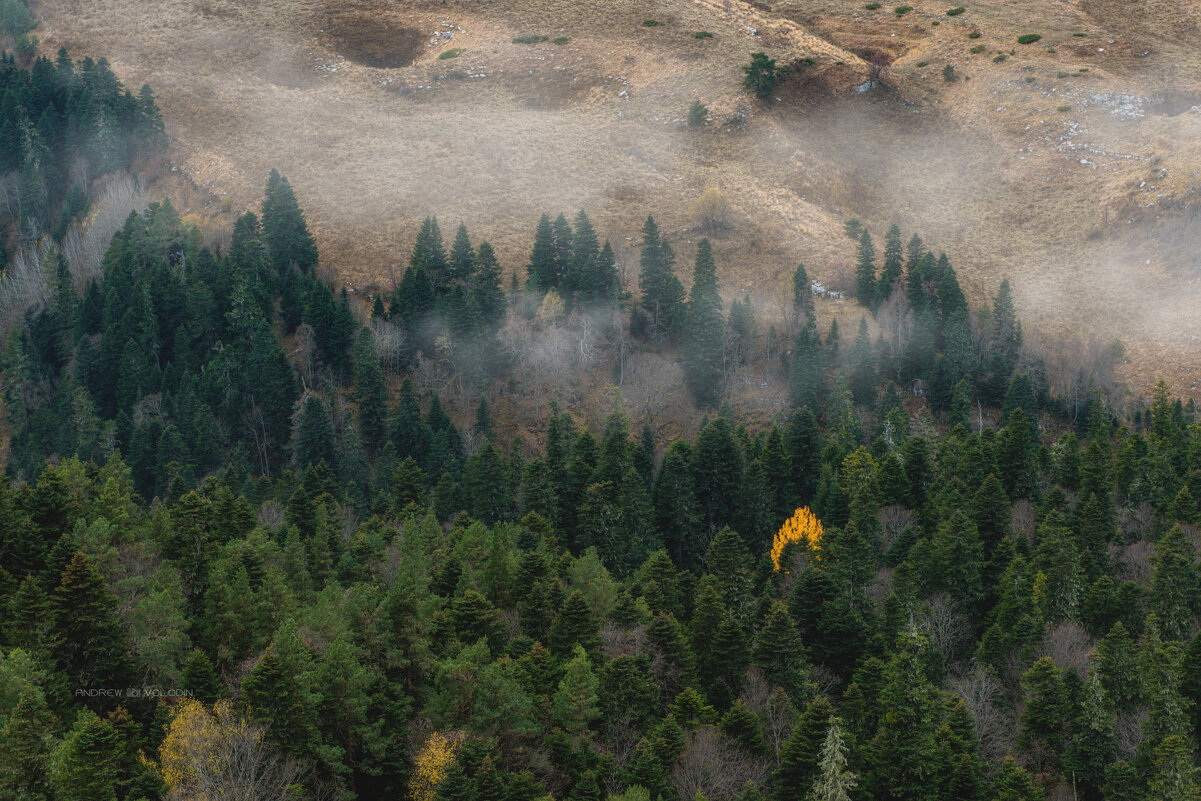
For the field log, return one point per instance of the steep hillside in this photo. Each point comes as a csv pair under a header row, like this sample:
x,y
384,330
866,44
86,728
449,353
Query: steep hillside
x,y
1069,165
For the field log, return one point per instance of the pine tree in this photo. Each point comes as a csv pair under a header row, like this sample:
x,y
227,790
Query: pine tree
x,y
704,350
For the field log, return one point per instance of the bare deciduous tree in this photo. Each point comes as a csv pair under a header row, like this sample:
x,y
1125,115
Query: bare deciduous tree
x,y
772,706
714,765
982,691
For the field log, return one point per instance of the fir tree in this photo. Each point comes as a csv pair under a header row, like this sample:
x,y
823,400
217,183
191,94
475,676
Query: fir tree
x,y
801,756
543,266
87,642
462,257
890,272
314,435
865,271
662,294
703,336
284,229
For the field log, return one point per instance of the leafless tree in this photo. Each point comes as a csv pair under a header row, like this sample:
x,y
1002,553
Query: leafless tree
x,y
714,765
304,352
232,760
1022,520
389,344
894,520
948,628
982,691
650,382
1069,645
271,514
772,706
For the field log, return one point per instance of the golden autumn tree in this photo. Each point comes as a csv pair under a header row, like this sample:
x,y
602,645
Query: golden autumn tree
x,y
218,753
431,765
803,527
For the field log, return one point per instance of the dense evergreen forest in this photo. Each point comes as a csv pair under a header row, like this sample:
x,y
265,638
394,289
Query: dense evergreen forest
x,y
243,555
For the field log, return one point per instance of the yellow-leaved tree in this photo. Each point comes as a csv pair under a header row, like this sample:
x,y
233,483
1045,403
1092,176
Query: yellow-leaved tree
x,y
218,753
803,527
429,769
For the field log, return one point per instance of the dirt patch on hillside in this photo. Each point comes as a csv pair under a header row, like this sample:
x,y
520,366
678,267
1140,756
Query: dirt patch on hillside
x,y
372,40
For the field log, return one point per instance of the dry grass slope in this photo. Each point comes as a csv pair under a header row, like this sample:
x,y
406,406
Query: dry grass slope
x,y
1069,165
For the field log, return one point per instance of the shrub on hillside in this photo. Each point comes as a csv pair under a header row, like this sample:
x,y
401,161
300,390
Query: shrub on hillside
x,y
1028,38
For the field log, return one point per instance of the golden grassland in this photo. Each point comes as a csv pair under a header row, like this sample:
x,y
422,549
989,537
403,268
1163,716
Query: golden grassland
x,y
1069,166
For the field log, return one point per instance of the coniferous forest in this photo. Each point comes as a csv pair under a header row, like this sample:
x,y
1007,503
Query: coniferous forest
x,y
244,554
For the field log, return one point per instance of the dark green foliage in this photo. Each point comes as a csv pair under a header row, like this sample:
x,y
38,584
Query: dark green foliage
x,y
284,230
762,75
86,642
662,304
865,271
704,351
314,435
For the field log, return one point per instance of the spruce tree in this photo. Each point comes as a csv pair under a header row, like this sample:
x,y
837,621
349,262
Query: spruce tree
x,y
802,296
429,255
704,351
806,371
280,694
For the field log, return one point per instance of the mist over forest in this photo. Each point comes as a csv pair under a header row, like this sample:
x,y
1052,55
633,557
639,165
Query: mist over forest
x,y
625,401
